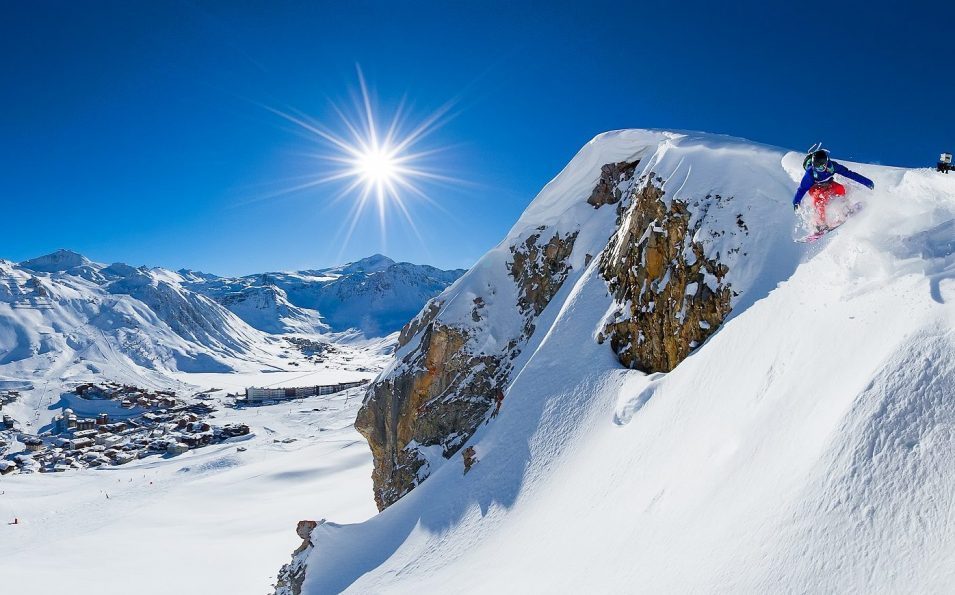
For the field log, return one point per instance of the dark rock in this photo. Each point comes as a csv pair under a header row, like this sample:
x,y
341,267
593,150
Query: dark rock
x,y
470,458
671,296
292,575
435,400
608,190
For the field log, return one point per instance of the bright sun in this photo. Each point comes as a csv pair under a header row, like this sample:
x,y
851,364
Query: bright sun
x,y
379,165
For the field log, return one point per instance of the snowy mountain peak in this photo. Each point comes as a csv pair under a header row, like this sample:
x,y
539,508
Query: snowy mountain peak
x,y
61,260
191,275
372,264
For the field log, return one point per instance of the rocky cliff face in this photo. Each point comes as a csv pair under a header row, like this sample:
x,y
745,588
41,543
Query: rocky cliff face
x,y
670,297
446,382
430,408
637,252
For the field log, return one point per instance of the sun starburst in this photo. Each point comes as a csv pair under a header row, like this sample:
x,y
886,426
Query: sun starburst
x,y
380,166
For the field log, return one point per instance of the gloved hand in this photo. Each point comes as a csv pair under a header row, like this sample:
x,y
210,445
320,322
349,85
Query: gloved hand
x,y
795,207
871,185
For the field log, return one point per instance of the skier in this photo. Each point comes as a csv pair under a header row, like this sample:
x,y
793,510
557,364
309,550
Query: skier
x,y
818,181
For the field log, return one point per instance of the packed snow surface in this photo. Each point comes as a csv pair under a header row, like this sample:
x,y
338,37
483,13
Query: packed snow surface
x,y
806,447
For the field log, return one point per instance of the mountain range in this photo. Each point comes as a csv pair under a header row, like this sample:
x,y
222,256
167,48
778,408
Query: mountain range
x,y
66,313
374,295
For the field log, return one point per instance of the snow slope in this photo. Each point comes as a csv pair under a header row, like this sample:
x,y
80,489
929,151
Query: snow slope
x,y
806,447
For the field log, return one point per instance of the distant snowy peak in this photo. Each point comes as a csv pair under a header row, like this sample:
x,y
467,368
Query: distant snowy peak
x,y
195,276
267,308
61,260
374,296
64,306
373,264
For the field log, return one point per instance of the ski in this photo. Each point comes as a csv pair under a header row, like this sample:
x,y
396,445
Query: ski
x,y
853,209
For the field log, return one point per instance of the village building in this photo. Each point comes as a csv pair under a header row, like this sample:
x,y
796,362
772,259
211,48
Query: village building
x,y
116,427
84,434
65,422
257,395
121,458
79,443
32,444
176,448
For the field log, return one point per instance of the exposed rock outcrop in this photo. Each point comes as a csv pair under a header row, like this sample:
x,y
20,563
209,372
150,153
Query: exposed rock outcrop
x,y
292,575
447,382
611,185
671,297
430,407
540,270
452,367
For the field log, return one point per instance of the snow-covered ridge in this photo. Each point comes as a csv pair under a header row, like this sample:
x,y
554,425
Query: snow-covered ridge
x,y
64,312
805,446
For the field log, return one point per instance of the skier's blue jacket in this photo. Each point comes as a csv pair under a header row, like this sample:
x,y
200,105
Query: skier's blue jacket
x,y
816,177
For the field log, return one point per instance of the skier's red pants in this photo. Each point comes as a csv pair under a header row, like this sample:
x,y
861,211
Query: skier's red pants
x,y
821,195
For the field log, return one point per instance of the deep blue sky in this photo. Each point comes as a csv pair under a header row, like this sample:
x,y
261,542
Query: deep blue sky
x,y
135,132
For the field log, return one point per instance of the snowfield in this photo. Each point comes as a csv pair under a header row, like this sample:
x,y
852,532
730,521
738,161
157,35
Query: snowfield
x,y
805,447
219,519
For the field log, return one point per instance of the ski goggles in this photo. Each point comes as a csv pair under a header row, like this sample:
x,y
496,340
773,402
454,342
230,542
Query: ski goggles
x,y
821,168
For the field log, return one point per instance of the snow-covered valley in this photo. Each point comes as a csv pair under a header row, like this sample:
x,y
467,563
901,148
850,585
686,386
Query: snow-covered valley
x,y
219,519
180,473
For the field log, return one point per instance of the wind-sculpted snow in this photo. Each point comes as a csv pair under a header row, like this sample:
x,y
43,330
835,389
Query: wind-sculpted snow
x,y
805,446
